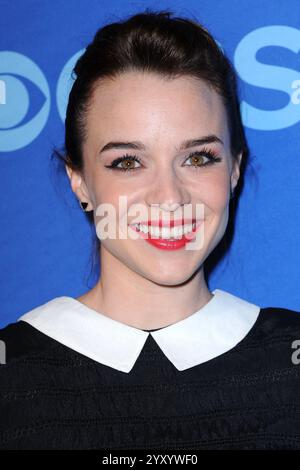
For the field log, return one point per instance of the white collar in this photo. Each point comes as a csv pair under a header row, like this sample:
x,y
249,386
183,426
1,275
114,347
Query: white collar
x,y
214,329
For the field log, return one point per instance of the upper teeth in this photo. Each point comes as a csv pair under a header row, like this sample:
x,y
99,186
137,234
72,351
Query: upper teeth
x,y
165,232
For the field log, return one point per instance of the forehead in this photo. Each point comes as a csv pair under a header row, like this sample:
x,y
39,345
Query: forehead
x,y
146,105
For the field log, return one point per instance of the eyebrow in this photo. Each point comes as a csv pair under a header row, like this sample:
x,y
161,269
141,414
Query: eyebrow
x,y
186,144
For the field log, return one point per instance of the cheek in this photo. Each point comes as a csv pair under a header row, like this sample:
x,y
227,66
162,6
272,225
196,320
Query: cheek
x,y
113,201
107,191
213,191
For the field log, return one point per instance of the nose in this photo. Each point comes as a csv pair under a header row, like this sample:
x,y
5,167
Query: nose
x,y
167,192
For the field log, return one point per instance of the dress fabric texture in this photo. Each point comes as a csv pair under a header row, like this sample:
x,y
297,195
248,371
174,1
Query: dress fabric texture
x,y
53,396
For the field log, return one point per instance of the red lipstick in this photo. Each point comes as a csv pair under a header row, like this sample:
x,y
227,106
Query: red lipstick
x,y
170,243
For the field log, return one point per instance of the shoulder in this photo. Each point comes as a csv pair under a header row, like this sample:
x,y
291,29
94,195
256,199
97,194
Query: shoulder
x,y
28,348
33,365
27,362
274,340
20,339
27,337
278,321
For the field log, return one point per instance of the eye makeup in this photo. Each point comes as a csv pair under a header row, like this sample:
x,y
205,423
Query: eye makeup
x,y
207,153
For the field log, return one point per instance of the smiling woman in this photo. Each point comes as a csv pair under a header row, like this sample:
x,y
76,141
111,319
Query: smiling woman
x,y
149,357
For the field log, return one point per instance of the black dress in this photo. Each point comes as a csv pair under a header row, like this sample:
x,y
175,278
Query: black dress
x,y
55,393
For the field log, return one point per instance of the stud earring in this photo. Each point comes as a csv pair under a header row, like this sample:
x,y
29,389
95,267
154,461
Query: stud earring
x,y
83,205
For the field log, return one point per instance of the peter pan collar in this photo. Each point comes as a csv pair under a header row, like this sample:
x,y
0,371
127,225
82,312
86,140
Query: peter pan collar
x,y
212,330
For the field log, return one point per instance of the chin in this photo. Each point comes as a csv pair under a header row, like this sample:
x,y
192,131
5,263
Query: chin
x,y
169,278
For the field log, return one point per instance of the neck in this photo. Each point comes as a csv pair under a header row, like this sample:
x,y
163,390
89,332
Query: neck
x,y
131,298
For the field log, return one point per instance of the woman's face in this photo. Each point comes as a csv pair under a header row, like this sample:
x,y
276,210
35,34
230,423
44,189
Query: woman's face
x,y
161,114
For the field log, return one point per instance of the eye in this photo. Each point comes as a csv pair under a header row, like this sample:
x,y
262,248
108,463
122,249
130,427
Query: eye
x,y
127,160
198,158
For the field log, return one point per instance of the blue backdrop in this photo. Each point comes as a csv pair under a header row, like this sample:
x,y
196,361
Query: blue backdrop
x,y
45,239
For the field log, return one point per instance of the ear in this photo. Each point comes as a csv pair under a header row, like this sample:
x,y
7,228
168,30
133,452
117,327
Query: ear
x,y
78,186
235,172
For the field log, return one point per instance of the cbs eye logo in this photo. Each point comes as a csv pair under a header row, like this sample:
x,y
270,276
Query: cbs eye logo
x,y
25,98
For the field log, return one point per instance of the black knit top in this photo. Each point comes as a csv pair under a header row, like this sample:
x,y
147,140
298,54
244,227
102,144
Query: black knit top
x,y
53,397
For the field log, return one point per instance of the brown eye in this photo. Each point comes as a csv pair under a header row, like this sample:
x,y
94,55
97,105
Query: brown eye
x,y
126,161
127,164
196,159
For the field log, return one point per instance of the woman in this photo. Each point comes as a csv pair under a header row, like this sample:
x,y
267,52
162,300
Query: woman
x,y
149,357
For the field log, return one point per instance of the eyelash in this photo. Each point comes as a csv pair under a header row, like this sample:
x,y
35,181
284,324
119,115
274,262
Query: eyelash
x,y
208,153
